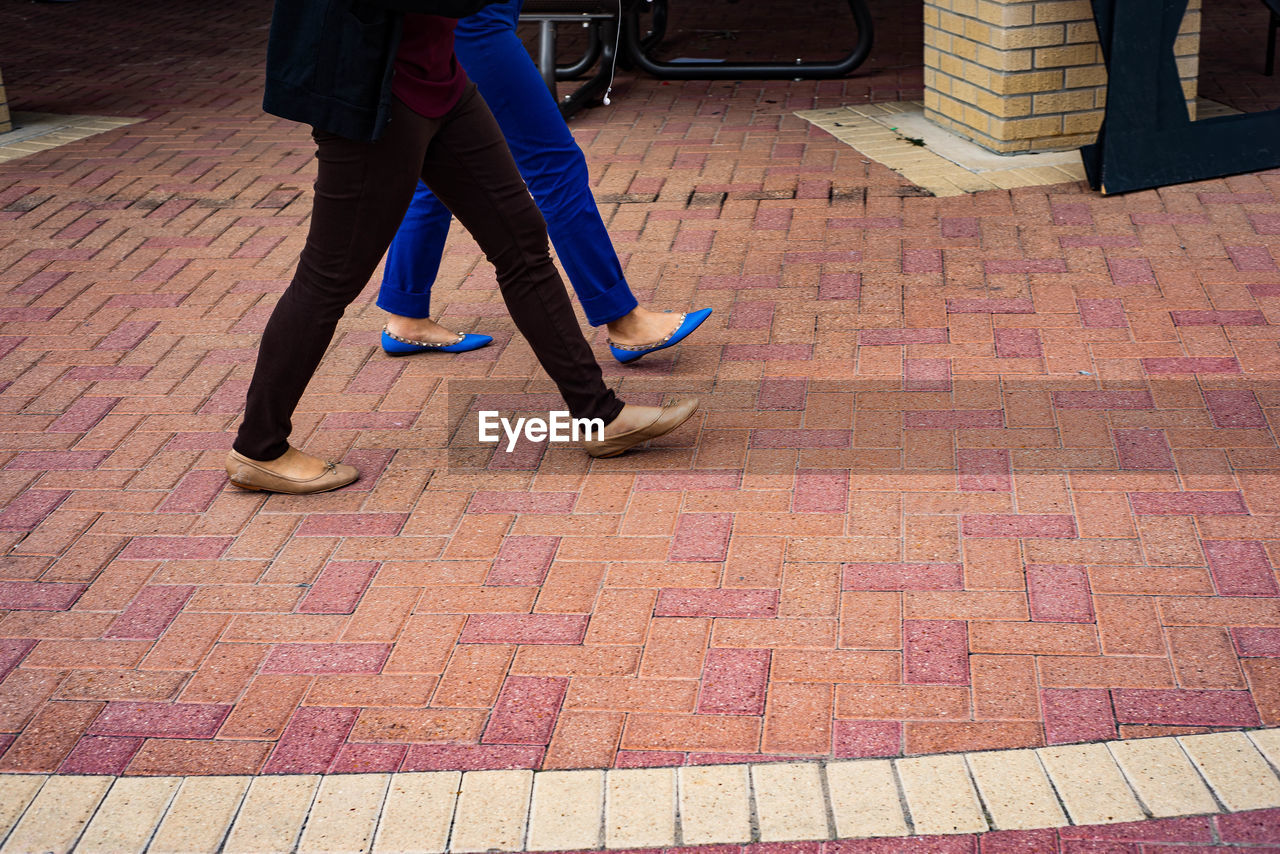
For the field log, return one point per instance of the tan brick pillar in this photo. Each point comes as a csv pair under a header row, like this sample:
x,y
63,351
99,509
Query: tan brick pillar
x,y
6,122
1026,75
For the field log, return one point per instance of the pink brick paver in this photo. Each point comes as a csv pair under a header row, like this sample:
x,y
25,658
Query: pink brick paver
x,y
1249,259
984,469
1143,449
991,305
38,595
1257,641
1234,408
1078,714
734,682
1131,271
926,375
525,711
863,739
159,720
935,652
1187,503
997,470
1018,344
311,741
95,754
1240,568
1210,708
151,612
339,588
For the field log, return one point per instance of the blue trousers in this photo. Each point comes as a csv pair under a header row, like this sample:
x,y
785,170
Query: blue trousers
x,y
550,161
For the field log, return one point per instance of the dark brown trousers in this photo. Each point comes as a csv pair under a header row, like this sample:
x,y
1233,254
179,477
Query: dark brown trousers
x,y
362,191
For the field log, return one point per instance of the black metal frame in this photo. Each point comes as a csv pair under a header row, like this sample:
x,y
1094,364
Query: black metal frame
x,y
1147,137
636,50
600,53
1269,67
595,46
632,47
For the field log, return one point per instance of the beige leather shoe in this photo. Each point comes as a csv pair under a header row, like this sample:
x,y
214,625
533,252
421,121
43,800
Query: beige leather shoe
x,y
636,424
293,473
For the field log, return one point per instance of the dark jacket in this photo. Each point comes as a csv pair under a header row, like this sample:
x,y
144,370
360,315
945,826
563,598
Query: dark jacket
x,y
329,62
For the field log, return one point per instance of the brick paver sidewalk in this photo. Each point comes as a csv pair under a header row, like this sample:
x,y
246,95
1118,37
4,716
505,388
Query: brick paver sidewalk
x,y
991,471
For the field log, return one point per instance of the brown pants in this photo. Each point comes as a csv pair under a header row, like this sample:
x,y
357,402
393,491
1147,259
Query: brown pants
x,y
362,191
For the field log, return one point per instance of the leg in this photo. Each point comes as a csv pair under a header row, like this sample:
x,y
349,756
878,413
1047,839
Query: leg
x,y
414,258
413,262
556,171
554,168
470,169
362,190
548,157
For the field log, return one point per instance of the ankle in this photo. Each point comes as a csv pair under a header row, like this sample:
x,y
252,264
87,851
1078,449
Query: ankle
x,y
397,322
419,329
629,324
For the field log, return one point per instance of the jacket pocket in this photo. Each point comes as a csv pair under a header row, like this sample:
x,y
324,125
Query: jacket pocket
x,y
357,45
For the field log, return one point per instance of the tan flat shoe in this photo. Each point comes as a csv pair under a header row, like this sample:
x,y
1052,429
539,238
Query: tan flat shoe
x,y
293,473
636,424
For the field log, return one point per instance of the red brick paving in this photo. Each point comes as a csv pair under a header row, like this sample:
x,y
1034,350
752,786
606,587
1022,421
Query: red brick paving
x,y
997,470
1246,831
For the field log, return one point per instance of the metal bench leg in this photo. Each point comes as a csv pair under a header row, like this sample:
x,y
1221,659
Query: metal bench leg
x,y
579,68
547,54
599,82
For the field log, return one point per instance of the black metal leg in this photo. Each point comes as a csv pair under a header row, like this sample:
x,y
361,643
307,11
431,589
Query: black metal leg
x,y
579,68
547,54
657,24
597,85
1271,45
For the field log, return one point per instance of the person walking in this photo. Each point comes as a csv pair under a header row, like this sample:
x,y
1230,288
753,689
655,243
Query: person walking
x,y
389,105
555,170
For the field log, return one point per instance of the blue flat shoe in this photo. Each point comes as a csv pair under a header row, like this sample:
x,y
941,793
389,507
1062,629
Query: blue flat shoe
x,y
394,345
630,352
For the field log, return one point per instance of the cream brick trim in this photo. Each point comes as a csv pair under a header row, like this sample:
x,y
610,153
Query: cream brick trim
x,y
447,811
36,132
940,162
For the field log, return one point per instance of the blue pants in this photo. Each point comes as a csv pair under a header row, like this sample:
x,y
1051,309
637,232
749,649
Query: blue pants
x,y
549,160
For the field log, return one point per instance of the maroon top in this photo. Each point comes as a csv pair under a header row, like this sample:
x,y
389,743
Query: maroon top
x,y
427,76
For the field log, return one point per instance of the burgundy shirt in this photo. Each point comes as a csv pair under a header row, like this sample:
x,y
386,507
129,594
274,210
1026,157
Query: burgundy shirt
x,y
427,75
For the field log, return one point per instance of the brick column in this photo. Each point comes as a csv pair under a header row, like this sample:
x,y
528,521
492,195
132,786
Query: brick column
x,y
1026,75
6,123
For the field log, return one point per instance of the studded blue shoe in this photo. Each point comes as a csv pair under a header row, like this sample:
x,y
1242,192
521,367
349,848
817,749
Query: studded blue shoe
x,y
394,345
630,352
